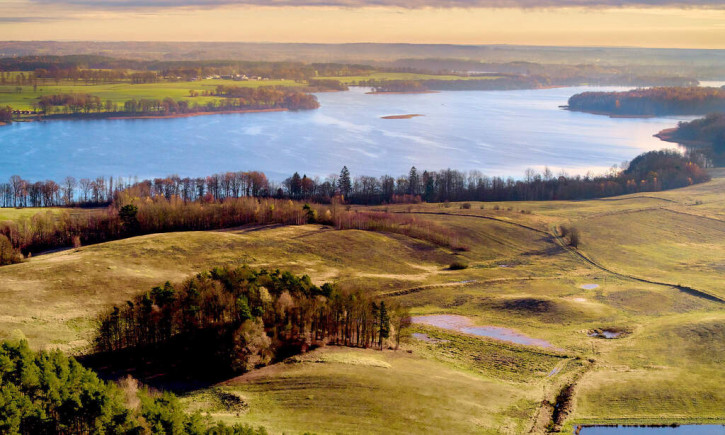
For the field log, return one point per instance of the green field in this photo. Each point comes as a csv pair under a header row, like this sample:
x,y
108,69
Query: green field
x,y
666,368
121,92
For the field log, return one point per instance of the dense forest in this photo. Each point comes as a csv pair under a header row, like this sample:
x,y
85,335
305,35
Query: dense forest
x,y
705,135
659,101
247,318
50,393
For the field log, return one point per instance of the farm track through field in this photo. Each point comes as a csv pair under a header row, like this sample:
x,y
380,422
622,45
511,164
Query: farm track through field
x,y
685,289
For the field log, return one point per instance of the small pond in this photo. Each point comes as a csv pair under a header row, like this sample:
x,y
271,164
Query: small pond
x,y
465,325
589,286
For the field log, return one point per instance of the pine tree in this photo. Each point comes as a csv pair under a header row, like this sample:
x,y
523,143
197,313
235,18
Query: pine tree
x,y
413,182
344,183
384,324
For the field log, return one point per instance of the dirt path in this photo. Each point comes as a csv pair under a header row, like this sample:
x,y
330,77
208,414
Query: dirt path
x,y
552,236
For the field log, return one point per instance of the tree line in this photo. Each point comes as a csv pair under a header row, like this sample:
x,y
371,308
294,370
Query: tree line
x,y
238,198
50,393
706,135
234,98
651,171
255,317
131,215
101,69
658,101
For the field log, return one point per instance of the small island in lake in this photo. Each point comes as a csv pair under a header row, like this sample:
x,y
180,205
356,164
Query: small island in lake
x,y
660,101
412,115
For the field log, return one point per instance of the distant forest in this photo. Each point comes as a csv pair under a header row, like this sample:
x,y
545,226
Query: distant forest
x,y
660,101
99,69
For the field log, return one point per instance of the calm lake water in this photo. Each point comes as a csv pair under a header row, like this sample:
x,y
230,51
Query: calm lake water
x,y
498,132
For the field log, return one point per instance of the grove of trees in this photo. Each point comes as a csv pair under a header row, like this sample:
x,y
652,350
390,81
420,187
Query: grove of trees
x,y
50,393
658,101
252,317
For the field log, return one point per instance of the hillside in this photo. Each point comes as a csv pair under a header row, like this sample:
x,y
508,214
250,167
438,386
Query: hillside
x,y
648,266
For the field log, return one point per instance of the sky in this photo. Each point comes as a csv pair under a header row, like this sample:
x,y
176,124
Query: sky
x,y
639,23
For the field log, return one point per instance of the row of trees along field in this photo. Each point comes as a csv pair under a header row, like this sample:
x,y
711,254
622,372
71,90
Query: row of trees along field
x,y
251,317
659,101
241,198
131,215
652,171
233,98
50,393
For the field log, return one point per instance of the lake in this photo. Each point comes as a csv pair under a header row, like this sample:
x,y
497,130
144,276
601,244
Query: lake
x,y
497,132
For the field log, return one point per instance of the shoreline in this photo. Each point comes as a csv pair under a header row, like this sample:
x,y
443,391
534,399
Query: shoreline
x,y
609,114
412,115
401,92
119,116
192,114
667,135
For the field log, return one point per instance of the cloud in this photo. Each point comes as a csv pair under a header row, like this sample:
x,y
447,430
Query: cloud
x,y
407,4
24,19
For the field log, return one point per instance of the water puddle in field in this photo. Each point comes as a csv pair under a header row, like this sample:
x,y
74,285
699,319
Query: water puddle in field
x,y
589,286
686,429
464,324
607,333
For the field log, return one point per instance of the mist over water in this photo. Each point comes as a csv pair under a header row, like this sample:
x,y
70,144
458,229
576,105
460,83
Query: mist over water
x,y
496,132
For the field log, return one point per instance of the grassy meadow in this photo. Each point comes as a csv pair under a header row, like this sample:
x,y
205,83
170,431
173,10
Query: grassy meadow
x,y
119,93
665,368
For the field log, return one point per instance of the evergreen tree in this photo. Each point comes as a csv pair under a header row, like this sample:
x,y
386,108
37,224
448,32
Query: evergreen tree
x,y
384,324
413,182
344,183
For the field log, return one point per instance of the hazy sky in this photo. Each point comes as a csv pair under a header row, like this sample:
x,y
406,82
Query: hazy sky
x,y
650,23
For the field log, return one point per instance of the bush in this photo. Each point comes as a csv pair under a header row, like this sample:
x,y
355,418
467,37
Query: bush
x,y
8,254
458,265
466,205
571,234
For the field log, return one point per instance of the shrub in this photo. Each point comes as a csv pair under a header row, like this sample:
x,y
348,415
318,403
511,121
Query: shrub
x,y
466,205
458,265
8,254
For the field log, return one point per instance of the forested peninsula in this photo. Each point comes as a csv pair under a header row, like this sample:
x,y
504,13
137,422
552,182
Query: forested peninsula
x,y
705,135
659,101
